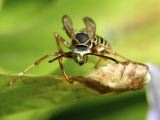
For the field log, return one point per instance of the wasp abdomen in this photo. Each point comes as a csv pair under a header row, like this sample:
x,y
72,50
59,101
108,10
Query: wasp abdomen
x,y
99,41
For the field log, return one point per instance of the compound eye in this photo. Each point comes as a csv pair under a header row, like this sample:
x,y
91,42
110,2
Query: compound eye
x,y
82,37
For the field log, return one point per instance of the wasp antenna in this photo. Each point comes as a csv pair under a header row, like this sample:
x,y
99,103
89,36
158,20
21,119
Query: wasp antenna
x,y
50,61
106,57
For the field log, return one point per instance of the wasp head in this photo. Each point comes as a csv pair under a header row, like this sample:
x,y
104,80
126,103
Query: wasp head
x,y
80,54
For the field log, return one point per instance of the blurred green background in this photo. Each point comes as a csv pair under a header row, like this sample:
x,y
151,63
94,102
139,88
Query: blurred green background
x,y
26,34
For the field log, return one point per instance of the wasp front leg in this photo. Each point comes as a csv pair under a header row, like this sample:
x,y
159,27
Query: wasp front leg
x,y
99,50
58,40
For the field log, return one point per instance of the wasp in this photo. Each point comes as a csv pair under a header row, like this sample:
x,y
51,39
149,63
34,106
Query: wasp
x,y
83,44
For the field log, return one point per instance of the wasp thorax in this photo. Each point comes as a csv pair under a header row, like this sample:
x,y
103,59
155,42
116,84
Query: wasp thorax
x,y
82,37
80,53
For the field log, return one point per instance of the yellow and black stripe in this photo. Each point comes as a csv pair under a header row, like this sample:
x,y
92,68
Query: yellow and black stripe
x,y
99,41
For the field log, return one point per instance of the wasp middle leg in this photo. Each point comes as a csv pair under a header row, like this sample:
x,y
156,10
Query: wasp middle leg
x,y
36,63
96,50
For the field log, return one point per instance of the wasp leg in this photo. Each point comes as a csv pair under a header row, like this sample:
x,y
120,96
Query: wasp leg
x,y
110,51
63,41
36,63
64,73
97,51
100,50
100,59
97,63
58,40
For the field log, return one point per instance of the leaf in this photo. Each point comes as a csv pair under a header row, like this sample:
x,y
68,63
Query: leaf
x,y
26,29
32,95
48,97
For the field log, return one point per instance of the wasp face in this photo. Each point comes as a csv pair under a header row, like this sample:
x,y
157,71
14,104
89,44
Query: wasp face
x,y
79,54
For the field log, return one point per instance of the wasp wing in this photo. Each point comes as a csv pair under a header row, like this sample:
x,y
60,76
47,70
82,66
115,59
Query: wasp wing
x,y
68,25
90,26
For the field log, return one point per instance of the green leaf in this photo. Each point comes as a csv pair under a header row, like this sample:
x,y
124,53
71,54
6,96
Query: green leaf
x,y
26,34
45,97
34,95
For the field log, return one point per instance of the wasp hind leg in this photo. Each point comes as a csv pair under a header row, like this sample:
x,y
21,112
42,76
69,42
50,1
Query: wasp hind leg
x,y
112,52
96,66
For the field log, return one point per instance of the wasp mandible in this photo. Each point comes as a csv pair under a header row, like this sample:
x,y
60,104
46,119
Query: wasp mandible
x,y
83,44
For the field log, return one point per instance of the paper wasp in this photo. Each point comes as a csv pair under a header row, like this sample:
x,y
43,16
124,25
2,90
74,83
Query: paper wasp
x,y
83,44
